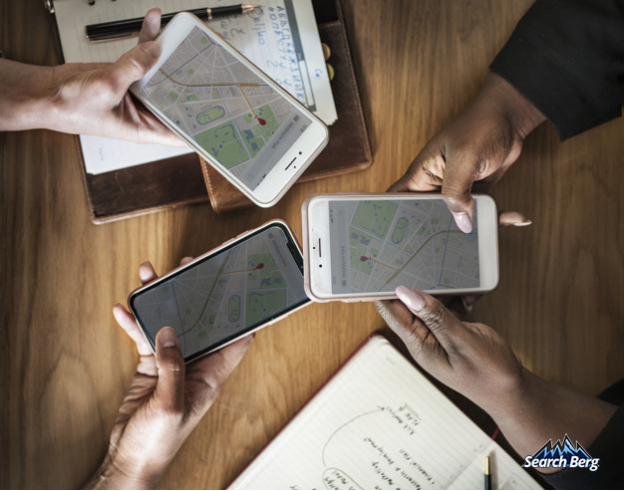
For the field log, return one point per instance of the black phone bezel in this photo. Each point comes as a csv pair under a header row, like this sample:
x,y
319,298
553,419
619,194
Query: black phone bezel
x,y
295,253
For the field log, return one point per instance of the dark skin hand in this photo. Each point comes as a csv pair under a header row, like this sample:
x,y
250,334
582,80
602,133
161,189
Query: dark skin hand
x,y
478,146
164,403
475,360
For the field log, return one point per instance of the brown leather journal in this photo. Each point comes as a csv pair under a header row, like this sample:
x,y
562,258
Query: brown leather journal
x,y
348,149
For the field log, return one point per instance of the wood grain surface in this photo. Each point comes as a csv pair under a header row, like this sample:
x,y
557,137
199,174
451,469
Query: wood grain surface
x,y
65,364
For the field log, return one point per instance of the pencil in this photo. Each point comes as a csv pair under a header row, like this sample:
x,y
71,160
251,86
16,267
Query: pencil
x,y
488,475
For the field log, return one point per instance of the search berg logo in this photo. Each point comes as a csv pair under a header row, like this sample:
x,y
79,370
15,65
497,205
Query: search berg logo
x,y
561,455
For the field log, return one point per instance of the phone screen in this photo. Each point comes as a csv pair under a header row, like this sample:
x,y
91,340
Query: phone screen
x,y
222,296
378,245
225,107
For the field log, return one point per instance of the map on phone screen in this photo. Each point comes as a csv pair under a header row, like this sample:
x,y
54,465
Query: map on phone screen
x,y
226,108
378,245
226,294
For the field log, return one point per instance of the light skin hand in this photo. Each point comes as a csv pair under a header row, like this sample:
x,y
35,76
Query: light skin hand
x,y
85,98
479,145
164,403
475,360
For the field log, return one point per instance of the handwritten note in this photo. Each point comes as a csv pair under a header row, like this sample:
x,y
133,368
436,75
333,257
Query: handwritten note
x,y
281,38
379,424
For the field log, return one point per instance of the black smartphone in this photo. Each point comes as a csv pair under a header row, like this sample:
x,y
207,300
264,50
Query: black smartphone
x,y
245,284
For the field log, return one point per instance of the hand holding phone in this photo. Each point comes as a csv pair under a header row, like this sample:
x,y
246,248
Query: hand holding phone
x,y
250,129
229,292
362,247
164,403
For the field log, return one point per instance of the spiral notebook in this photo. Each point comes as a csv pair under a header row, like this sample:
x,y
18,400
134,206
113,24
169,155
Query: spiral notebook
x,y
378,423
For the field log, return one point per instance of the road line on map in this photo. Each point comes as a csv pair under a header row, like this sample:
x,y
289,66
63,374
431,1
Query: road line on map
x,y
364,258
420,249
236,84
214,283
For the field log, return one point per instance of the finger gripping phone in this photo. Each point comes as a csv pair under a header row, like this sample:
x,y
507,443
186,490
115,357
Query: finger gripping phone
x,y
362,247
237,118
243,285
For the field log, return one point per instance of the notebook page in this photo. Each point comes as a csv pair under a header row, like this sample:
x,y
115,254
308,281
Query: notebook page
x,y
506,473
377,424
282,39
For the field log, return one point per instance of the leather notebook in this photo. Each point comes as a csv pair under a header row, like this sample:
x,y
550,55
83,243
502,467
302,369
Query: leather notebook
x,y
348,149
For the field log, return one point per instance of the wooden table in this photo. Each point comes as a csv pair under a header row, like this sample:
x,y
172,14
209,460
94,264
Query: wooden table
x,y
66,364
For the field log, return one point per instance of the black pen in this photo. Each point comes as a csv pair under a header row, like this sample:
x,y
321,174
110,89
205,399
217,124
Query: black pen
x,y
488,475
131,27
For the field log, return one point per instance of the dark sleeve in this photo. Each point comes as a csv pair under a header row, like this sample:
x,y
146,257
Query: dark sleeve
x,y
608,447
567,58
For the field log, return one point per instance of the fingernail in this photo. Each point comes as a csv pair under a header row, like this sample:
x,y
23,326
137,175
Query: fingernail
x,y
463,221
466,305
523,224
409,297
151,48
167,338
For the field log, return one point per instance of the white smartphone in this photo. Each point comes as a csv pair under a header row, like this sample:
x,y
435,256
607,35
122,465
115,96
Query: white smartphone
x,y
361,247
231,113
245,284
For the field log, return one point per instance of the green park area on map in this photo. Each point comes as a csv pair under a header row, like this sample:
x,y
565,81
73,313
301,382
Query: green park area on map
x,y
375,217
224,143
261,305
234,308
258,135
270,275
359,243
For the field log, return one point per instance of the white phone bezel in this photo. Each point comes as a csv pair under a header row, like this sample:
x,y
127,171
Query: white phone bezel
x,y
318,269
296,159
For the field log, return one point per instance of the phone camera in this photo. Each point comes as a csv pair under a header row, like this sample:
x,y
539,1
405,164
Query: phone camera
x,y
300,153
320,265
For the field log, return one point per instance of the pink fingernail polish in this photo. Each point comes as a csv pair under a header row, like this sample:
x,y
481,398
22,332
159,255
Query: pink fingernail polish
x,y
411,298
463,221
523,224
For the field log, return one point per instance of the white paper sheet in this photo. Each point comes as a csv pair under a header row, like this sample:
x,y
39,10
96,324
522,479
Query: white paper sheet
x,y
380,424
290,54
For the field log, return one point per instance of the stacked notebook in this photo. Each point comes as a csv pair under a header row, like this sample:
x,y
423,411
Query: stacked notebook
x,y
125,179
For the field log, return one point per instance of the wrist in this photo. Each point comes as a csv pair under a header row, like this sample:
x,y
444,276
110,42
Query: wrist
x,y
522,115
119,473
508,403
28,96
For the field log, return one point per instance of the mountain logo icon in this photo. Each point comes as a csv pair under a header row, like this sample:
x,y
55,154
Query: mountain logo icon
x,y
565,450
561,454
